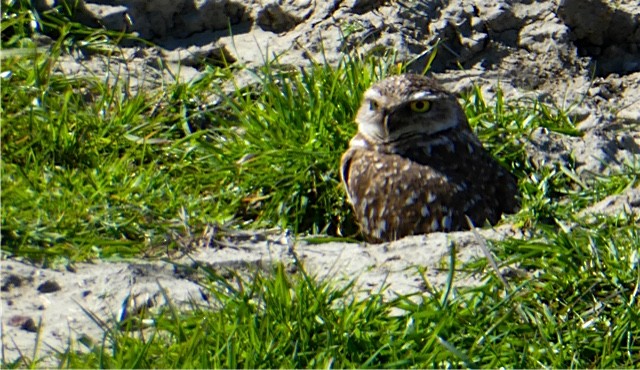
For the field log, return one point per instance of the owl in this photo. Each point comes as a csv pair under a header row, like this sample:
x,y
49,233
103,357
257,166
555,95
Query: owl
x,y
416,167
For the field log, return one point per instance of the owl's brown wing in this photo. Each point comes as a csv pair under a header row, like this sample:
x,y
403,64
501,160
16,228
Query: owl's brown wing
x,y
489,188
498,188
393,196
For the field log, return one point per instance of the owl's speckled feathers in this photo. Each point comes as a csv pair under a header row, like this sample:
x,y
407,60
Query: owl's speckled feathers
x,y
416,167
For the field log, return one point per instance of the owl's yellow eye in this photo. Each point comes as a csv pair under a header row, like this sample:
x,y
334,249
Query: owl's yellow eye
x,y
420,106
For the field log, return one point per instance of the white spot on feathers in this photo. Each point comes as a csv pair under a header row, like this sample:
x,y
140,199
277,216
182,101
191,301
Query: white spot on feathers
x,y
430,197
382,226
382,211
424,211
446,222
411,199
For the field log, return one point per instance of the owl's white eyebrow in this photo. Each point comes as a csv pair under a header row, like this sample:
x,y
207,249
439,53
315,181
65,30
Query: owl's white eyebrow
x,y
372,94
421,95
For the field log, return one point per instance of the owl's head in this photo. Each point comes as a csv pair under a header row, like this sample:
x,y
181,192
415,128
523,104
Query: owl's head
x,y
407,106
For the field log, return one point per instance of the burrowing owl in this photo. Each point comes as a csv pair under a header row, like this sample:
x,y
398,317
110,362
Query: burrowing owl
x,y
416,167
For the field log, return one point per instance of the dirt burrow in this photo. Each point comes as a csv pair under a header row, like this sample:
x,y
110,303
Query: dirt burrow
x,y
577,54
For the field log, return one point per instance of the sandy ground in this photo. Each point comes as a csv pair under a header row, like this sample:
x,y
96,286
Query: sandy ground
x,y
58,299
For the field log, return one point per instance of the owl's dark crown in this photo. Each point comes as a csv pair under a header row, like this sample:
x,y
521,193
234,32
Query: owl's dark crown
x,y
406,85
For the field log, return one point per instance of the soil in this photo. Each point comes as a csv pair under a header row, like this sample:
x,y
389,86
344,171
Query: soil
x,y
577,54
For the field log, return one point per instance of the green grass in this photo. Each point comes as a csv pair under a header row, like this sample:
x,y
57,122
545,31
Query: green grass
x,y
103,173
94,170
91,170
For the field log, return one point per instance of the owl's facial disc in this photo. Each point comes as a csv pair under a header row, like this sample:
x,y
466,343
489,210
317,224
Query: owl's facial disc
x,y
385,119
372,116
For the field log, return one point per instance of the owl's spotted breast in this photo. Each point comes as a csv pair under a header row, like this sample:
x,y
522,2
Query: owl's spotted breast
x,y
390,206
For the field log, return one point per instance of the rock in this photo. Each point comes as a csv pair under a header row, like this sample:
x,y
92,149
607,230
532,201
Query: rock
x,y
548,37
628,102
588,19
362,6
25,323
280,16
49,286
607,31
498,16
545,148
113,17
628,202
200,57
10,281
218,14
79,10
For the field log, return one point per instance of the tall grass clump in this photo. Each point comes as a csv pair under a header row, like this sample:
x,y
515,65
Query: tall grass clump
x,y
275,147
